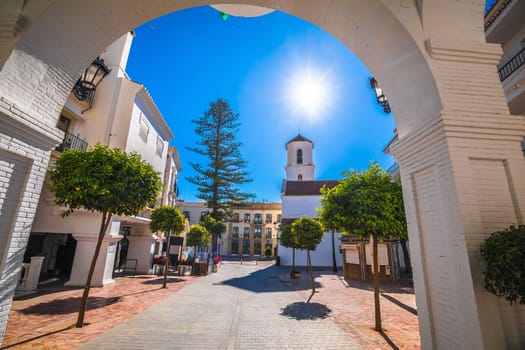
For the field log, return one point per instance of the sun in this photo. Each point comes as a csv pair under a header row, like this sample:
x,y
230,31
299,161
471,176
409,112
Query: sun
x,y
309,93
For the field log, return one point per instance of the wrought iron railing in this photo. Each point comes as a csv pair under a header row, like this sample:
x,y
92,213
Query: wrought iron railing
x,y
72,142
512,65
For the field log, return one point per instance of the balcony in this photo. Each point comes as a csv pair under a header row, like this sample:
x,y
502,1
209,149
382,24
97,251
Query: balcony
x,y
512,65
72,142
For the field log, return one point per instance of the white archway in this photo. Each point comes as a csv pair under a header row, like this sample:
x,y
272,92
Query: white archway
x,y
440,77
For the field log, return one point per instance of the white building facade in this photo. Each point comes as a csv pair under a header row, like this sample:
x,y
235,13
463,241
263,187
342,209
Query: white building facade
x,y
123,115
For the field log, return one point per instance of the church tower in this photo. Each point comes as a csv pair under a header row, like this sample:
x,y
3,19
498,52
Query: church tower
x,y
300,165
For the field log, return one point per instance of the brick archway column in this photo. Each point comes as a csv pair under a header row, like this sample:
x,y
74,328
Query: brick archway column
x,y
463,176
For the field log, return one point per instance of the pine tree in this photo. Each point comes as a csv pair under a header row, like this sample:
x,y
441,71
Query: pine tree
x,y
225,170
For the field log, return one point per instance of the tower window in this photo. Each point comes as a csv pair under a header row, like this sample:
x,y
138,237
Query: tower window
x,y
300,177
299,156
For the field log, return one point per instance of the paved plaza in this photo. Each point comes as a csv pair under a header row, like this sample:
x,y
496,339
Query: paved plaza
x,y
244,306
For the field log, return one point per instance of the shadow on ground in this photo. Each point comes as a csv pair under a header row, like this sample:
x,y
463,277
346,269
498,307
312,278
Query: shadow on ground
x,y
271,279
306,311
68,306
160,280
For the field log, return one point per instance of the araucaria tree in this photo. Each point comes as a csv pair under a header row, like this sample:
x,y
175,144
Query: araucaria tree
x,y
103,180
218,179
170,220
309,234
366,204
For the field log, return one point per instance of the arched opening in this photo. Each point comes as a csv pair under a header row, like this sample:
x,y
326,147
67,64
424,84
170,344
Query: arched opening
x,y
407,49
299,158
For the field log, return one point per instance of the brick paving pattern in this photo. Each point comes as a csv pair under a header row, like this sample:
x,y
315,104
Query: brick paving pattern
x,y
241,307
48,318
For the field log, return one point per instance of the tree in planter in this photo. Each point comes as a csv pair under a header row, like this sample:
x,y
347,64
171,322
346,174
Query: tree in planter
x,y
289,240
366,204
309,233
197,237
504,256
170,220
214,226
102,180
268,252
219,179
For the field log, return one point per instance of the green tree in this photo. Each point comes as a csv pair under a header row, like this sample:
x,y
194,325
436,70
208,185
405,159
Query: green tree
x,y
366,204
215,227
218,180
170,220
289,240
309,233
102,180
198,237
504,256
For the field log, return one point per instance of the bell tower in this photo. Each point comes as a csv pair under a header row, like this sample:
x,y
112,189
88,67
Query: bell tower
x,y
300,165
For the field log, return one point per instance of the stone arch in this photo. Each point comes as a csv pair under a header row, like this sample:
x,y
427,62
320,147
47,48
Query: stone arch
x,y
416,49
369,29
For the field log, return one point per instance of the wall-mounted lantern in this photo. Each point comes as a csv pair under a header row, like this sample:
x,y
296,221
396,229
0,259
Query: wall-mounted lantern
x,y
84,89
380,96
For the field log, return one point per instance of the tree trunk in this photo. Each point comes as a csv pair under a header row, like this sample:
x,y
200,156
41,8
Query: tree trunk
x,y
376,285
292,273
106,218
311,273
334,263
166,261
406,255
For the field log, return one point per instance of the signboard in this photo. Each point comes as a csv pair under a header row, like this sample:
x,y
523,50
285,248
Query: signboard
x,y
174,240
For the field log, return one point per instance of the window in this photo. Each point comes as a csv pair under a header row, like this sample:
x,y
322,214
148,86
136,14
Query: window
x,y
236,217
143,128
186,214
257,231
235,232
300,177
299,156
257,248
246,233
268,218
278,218
204,213
257,219
268,232
247,217
63,123
160,146
235,247
246,247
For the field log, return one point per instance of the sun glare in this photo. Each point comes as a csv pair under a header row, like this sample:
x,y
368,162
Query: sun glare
x,y
309,93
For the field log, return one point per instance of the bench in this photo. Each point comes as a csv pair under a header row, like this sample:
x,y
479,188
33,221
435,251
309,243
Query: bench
x,y
131,265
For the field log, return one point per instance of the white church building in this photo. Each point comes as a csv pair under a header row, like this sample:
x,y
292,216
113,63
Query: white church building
x,y
300,196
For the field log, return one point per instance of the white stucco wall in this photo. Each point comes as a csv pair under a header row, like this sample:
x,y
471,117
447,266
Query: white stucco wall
x,y
321,256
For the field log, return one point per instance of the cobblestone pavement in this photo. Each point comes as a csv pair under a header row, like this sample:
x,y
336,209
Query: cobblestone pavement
x,y
241,307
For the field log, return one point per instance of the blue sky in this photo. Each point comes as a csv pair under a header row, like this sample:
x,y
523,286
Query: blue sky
x,y
189,58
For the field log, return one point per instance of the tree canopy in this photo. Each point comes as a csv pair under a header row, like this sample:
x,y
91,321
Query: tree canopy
x,y
104,180
167,219
198,236
219,178
215,227
504,256
308,233
365,203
